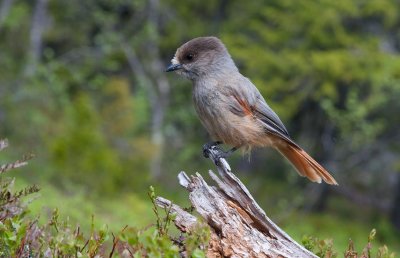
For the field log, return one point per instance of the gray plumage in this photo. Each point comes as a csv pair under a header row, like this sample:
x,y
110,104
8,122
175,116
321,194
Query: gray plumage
x,y
232,109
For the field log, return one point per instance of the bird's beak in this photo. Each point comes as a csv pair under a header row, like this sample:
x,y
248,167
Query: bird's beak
x,y
173,67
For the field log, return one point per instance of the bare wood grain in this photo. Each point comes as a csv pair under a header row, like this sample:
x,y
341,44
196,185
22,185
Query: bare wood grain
x,y
239,227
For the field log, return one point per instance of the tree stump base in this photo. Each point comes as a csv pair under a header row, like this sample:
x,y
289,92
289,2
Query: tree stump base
x,y
239,227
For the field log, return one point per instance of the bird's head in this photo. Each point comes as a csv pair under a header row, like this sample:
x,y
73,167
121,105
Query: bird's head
x,y
201,57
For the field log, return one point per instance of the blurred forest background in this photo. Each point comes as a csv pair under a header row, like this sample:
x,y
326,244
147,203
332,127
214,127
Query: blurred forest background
x,y
82,86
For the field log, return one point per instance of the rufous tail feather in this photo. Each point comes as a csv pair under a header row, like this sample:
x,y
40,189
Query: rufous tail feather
x,y
305,164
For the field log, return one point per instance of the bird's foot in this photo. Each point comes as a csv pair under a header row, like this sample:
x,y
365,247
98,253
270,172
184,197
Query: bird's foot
x,y
210,145
213,151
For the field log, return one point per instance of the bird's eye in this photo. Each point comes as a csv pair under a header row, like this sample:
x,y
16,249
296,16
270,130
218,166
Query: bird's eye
x,y
189,57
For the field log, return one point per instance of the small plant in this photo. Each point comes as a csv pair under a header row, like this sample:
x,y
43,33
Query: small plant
x,y
191,244
162,224
324,248
195,244
16,233
65,241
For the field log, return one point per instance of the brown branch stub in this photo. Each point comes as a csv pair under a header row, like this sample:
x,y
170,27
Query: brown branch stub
x,y
239,227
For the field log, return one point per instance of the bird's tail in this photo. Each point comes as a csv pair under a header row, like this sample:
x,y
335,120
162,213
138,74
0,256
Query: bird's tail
x,y
305,164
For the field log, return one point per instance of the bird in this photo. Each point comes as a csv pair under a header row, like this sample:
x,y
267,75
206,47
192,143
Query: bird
x,y
232,109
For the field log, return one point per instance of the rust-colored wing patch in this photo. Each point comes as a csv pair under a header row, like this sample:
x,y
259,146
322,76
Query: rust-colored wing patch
x,y
245,107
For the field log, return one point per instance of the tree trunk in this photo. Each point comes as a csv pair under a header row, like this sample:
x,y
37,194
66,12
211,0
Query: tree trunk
x,y
395,212
39,21
239,227
4,10
149,70
162,88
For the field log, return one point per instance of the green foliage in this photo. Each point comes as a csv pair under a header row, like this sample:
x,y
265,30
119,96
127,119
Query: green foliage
x,y
193,243
14,227
58,238
12,234
338,229
162,225
83,148
322,248
150,243
20,236
319,59
325,248
196,242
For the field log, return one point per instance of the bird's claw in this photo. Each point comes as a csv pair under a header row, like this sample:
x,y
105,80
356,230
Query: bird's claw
x,y
214,152
208,147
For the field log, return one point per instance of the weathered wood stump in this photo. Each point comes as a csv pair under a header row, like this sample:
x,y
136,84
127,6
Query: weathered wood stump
x,y
239,227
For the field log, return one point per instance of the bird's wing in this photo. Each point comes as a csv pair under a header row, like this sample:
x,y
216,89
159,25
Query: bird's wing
x,y
248,101
263,112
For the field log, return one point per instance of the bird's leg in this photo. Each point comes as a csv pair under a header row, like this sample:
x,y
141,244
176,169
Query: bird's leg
x,y
208,146
224,154
229,152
